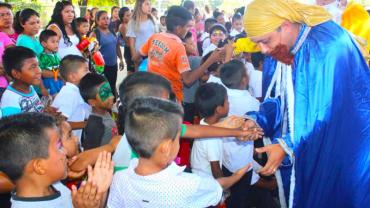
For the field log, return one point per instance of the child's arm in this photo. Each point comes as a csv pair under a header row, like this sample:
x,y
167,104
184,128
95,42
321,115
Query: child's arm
x,y
77,125
6,186
216,170
227,182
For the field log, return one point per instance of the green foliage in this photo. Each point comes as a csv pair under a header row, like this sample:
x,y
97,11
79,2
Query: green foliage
x,y
215,3
19,5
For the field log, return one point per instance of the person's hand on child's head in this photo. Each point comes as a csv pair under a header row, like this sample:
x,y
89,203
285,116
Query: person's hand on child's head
x,y
231,122
102,174
74,174
86,196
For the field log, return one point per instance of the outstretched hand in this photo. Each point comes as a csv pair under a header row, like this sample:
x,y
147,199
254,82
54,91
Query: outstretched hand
x,y
102,174
231,122
250,131
275,155
86,196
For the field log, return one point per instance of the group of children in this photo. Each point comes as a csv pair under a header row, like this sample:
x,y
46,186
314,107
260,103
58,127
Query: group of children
x,y
44,142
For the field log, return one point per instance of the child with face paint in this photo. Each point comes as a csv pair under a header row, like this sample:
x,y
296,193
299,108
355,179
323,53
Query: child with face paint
x,y
217,33
100,127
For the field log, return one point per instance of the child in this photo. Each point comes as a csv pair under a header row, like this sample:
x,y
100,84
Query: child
x,y
217,33
82,26
206,154
205,39
33,158
213,72
167,56
153,129
236,154
69,101
21,64
237,25
100,127
49,62
162,24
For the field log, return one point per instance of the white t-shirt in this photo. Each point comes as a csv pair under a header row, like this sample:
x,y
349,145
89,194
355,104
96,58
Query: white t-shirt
x,y
61,198
215,79
209,49
234,32
255,80
237,154
142,34
170,187
70,103
14,102
203,152
123,154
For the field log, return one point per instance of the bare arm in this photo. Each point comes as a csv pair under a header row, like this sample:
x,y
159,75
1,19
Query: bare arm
x,y
227,182
6,185
77,125
216,170
47,74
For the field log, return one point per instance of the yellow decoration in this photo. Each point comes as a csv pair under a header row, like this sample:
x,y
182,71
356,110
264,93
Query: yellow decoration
x,y
265,16
245,45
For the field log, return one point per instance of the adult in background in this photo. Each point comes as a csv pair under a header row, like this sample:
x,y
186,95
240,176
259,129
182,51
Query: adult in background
x,y
114,19
316,86
62,22
6,21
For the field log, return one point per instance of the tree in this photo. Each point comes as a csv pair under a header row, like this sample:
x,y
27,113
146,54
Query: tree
x,y
215,3
83,5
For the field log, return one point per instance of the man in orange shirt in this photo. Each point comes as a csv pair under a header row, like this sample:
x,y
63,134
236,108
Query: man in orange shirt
x,y
167,56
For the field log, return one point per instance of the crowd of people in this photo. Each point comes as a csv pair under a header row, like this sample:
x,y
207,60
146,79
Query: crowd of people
x,y
265,107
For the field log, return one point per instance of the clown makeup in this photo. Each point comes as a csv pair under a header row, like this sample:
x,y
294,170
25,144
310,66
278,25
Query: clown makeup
x,y
105,91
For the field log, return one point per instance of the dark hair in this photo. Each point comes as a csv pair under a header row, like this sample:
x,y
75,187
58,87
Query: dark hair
x,y
70,63
232,74
154,10
46,34
9,6
164,17
188,5
213,67
99,14
240,10
57,18
188,35
216,14
236,16
257,58
208,23
149,121
208,97
80,20
177,16
22,139
228,26
22,17
122,13
89,85
112,9
136,85
217,27
14,57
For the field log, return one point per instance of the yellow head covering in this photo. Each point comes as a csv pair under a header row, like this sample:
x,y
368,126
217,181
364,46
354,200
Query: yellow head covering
x,y
265,16
245,45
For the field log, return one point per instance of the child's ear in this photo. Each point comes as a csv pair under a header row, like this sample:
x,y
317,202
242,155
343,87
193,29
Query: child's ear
x,y
16,74
43,44
38,166
218,110
92,102
165,147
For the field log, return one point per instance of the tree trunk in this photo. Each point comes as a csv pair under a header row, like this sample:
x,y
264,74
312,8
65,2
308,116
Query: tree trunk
x,y
83,6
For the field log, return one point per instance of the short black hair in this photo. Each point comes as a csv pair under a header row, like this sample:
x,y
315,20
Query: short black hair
x,y
208,97
188,5
208,23
216,14
14,57
89,85
232,74
154,9
162,17
149,121
70,63
188,35
217,27
140,84
80,20
240,10
257,58
22,17
177,16
9,6
236,16
22,139
46,34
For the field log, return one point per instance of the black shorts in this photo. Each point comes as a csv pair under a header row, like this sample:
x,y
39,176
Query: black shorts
x,y
130,64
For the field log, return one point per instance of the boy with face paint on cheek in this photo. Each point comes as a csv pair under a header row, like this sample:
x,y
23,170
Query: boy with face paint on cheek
x,y
100,127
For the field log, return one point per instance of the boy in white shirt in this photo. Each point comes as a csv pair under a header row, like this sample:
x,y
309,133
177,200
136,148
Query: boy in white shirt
x,y
206,154
235,153
153,129
69,101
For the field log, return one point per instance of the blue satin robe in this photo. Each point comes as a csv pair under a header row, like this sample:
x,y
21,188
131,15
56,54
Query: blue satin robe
x,y
332,121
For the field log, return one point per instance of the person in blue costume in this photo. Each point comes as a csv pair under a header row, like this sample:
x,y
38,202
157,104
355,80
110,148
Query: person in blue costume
x,y
316,111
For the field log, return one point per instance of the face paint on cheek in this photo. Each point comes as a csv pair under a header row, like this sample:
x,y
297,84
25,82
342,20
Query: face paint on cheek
x,y
105,91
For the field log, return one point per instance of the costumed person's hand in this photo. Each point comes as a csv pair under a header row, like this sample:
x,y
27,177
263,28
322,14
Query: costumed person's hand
x,y
72,174
86,196
102,174
275,155
231,122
